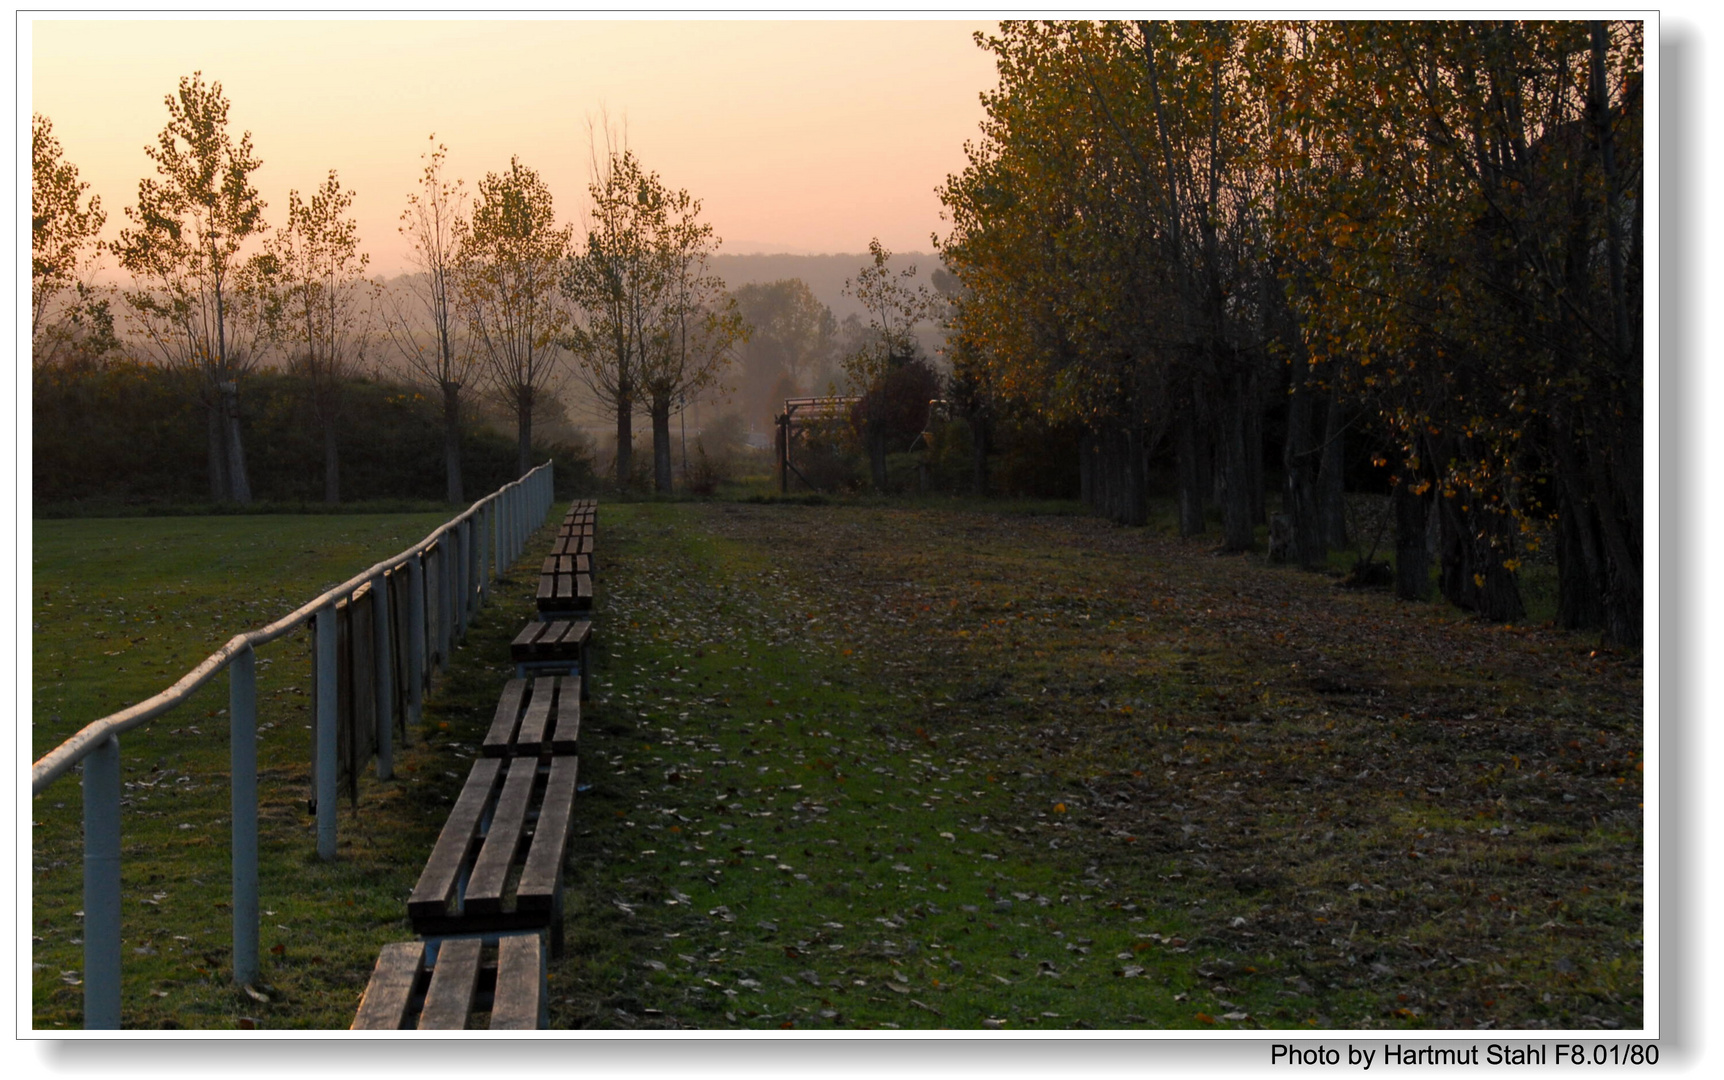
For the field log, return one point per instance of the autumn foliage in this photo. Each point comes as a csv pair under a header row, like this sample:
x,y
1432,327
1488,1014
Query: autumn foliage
x,y
1426,236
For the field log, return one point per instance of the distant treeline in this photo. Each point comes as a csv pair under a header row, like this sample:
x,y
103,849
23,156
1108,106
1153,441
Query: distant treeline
x,y
118,432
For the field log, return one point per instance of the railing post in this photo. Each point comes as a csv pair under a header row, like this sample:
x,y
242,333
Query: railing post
x,y
415,639
449,599
102,886
483,528
468,560
384,678
520,514
242,756
475,564
327,697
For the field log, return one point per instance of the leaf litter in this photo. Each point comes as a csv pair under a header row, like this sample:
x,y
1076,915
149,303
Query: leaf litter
x,y
1192,781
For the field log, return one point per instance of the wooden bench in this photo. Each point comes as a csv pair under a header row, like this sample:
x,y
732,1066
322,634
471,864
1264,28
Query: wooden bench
x,y
498,864
564,590
579,546
555,645
409,990
536,718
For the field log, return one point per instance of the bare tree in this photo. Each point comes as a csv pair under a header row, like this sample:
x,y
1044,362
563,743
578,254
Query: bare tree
x,y
424,324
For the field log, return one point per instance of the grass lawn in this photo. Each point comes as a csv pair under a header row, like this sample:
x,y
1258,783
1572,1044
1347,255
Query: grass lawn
x,y
121,609
923,765
920,766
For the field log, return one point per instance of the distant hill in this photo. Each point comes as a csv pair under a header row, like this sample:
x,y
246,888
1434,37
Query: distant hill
x,y
825,274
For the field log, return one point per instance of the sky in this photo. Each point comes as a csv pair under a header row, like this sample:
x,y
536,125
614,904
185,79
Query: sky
x,y
807,136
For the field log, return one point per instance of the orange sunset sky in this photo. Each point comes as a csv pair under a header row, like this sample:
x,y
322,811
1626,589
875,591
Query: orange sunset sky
x,y
798,136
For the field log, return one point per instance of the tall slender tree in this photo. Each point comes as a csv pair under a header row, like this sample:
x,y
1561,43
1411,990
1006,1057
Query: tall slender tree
x,y
195,299
66,309
895,306
618,283
320,307
422,315
698,324
512,254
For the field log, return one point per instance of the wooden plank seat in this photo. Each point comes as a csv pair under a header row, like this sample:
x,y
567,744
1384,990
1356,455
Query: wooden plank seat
x,y
536,717
581,546
562,588
498,864
440,986
554,645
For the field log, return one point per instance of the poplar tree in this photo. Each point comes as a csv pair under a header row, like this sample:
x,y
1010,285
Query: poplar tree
x,y
512,254
195,300
424,324
320,307
65,307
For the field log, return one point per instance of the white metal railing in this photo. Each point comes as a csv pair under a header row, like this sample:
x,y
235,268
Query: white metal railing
x,y
487,538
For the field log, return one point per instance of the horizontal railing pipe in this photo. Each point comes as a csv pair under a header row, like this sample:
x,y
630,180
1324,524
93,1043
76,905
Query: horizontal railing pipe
x,y
97,745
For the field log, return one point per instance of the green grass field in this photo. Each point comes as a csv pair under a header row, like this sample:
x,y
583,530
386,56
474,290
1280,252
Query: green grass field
x,y
121,609
925,765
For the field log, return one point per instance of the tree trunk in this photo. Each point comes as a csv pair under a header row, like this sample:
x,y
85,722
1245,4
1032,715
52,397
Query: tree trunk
x,y
1579,574
1299,459
331,463
524,429
1331,492
238,482
1136,501
1412,564
877,453
1188,452
1472,574
979,448
661,443
625,440
452,441
1237,526
1254,448
217,413
1086,470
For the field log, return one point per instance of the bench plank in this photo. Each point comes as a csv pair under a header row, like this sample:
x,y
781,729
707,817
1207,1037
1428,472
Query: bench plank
x,y
566,739
538,717
491,869
542,876
390,993
454,981
508,707
436,887
519,998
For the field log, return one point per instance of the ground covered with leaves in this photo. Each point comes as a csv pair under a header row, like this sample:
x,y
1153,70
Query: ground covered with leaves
x,y
873,766
876,766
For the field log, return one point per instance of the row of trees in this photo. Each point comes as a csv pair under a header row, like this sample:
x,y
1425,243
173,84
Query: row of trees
x,y
1424,234
502,296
